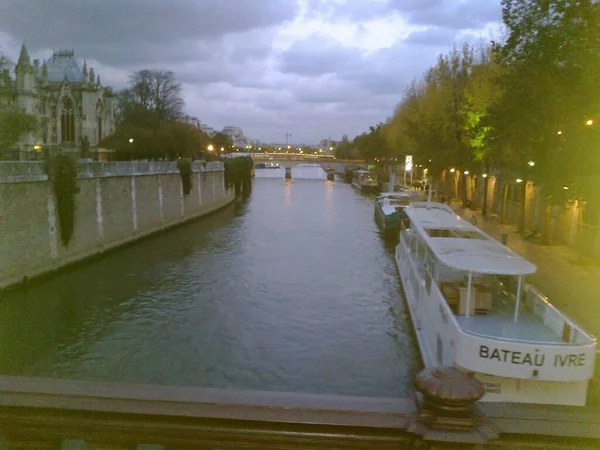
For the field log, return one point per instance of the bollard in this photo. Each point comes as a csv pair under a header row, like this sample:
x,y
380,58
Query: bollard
x,y
449,395
504,238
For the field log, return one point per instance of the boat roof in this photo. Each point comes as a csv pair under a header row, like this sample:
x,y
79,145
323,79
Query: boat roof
x,y
461,245
396,194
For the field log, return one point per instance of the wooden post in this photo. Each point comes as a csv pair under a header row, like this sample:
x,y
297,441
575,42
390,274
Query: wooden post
x,y
504,201
521,224
518,302
469,293
484,204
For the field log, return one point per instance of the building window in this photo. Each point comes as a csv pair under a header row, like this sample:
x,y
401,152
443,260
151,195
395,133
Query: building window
x,y
67,121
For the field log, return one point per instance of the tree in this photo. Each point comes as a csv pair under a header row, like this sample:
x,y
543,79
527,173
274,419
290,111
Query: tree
x,y
221,140
153,99
14,124
552,67
345,149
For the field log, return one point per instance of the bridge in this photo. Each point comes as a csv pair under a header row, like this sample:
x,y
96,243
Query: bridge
x,y
294,159
39,413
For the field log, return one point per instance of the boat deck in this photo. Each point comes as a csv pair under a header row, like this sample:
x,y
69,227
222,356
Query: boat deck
x,y
498,322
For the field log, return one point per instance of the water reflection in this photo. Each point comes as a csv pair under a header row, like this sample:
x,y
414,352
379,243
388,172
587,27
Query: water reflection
x,y
268,294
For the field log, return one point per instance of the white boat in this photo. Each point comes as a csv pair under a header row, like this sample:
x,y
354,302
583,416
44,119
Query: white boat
x,y
471,309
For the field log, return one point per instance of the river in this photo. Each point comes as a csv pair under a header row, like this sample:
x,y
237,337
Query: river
x,y
291,290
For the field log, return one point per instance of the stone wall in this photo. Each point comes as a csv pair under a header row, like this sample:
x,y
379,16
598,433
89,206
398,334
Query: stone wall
x,y
110,210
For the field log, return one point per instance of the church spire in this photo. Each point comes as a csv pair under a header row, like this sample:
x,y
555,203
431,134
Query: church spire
x,y
24,57
85,72
98,84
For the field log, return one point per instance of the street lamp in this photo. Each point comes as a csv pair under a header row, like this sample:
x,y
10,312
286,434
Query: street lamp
x,y
222,149
452,170
131,150
519,180
589,122
210,148
531,163
466,172
559,132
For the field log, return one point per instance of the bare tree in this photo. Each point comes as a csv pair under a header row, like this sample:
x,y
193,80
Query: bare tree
x,y
153,98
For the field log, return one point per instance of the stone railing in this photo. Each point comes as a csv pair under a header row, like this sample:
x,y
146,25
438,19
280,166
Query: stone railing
x,y
47,413
22,171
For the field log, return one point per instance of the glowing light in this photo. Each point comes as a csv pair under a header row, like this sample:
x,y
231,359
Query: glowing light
x,y
531,163
130,140
452,170
559,132
590,122
210,148
222,149
566,188
519,180
466,172
484,175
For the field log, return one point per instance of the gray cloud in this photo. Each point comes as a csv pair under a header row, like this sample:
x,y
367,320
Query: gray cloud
x,y
118,31
454,14
223,53
317,56
434,36
386,71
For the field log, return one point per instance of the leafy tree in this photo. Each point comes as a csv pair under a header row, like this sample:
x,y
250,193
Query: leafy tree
x,y
221,140
14,124
552,67
345,149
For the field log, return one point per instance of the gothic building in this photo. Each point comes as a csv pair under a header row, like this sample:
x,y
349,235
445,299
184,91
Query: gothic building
x,y
69,101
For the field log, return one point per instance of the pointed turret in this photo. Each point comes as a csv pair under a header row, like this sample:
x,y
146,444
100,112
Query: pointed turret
x,y
92,75
98,84
24,57
85,72
44,71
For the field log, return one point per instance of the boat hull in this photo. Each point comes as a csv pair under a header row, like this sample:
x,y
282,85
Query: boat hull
x,y
366,188
442,343
389,225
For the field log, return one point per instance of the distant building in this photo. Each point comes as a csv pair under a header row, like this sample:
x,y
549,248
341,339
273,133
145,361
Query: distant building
x,y
69,101
236,134
192,121
327,145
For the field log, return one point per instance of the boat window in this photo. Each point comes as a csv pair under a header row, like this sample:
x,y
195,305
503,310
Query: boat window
x,y
469,234
448,233
437,232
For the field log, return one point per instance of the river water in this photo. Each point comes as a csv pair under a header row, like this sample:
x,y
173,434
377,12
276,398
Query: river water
x,y
291,290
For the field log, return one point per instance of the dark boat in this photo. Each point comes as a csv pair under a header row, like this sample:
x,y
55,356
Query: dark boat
x,y
349,173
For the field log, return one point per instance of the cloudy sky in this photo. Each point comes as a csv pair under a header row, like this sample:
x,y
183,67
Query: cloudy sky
x,y
313,68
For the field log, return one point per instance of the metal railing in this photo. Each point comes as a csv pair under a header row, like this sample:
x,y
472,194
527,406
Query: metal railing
x,y
21,171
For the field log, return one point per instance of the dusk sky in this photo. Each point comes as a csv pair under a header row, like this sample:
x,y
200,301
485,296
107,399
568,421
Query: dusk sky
x,y
313,68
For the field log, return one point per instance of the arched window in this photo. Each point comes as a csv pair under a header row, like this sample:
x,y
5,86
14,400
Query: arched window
x,y
67,121
99,114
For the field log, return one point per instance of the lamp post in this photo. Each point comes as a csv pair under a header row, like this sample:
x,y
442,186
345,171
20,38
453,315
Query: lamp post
x,y
131,149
